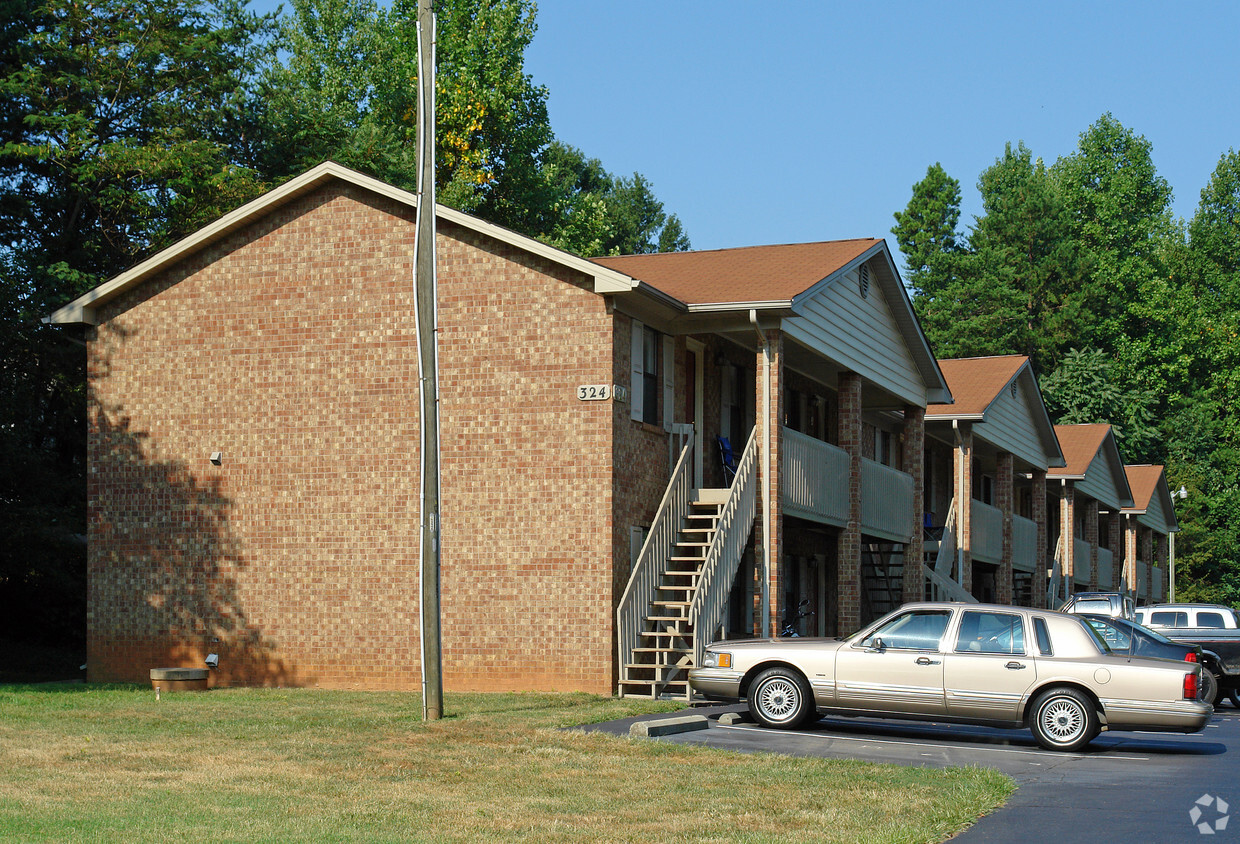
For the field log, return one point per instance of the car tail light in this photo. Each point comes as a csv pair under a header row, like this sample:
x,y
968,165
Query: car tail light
x,y
1190,686
1191,656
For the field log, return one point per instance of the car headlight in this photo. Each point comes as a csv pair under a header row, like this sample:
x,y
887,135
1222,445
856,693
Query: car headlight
x,y
713,659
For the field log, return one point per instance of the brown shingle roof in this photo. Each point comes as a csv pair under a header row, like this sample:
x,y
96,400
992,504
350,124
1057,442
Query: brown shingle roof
x,y
750,274
1144,482
975,383
1080,444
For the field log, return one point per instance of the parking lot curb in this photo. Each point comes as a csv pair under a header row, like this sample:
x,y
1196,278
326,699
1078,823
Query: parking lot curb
x,y
668,726
730,718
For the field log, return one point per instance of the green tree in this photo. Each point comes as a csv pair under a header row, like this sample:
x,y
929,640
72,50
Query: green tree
x,y
1085,388
926,233
346,89
126,126
1121,219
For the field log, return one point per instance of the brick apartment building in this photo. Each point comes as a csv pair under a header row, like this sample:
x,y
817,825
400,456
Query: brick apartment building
x,y
253,448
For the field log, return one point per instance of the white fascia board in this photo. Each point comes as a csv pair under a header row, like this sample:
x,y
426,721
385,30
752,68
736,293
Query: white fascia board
x,y
82,309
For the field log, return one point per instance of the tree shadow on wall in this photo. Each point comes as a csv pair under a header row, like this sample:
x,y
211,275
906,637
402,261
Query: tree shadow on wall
x,y
163,564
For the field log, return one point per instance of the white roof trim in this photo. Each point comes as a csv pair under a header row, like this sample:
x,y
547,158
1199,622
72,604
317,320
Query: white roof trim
x,y
82,309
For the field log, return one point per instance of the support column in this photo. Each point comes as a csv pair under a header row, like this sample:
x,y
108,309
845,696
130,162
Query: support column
x,y
769,401
1091,537
914,464
1161,543
1147,549
1039,518
963,465
1005,495
848,561
1067,534
1114,538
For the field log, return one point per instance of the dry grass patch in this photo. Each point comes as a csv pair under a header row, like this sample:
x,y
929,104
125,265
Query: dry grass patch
x,y
242,765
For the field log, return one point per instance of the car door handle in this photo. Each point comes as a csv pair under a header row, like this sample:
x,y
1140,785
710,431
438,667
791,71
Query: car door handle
x,y
1015,665
925,660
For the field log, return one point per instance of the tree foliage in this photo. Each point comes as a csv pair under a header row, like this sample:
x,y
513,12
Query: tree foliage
x,y
346,90
126,125
1130,316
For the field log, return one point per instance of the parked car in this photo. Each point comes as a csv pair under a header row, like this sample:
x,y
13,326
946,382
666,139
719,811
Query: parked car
x,y
1114,604
1212,627
1214,616
971,663
1127,637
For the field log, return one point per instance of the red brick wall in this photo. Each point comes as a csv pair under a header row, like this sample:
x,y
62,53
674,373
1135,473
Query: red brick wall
x,y
289,348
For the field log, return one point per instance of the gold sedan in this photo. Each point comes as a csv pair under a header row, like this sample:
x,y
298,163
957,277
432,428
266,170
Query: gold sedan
x,y
969,663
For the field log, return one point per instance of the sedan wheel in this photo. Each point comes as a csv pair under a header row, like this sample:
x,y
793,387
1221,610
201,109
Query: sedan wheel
x,y
1234,694
1210,692
780,698
1064,719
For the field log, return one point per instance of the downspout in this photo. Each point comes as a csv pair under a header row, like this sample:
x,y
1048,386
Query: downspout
x,y
766,472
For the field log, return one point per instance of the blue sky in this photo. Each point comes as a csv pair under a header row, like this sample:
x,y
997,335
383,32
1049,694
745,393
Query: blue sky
x,y
783,122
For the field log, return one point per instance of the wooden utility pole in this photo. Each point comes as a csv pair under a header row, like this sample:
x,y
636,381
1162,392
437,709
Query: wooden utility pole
x,y
424,303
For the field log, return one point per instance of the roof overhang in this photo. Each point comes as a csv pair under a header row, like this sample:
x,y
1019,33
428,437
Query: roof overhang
x,y
84,309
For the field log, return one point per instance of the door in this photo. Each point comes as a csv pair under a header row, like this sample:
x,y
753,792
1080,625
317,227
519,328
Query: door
x,y
989,667
897,667
694,375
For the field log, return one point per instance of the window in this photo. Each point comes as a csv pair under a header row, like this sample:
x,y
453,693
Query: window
x,y
1044,637
918,629
991,633
1210,619
1169,619
1116,639
650,375
653,362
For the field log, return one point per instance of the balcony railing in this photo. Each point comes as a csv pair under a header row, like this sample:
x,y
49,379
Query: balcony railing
x,y
1080,563
815,479
987,533
1105,561
816,488
1024,544
886,502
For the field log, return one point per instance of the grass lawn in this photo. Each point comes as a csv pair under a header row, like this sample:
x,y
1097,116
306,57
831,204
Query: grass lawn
x,y
85,763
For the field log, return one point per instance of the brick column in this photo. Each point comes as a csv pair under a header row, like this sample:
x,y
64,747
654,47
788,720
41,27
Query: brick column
x,y
1114,535
963,465
1067,533
1039,518
1147,554
770,376
1162,547
915,465
848,560
1005,495
1091,537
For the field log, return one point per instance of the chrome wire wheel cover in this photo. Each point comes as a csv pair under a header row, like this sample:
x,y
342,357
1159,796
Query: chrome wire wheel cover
x,y
1063,720
779,699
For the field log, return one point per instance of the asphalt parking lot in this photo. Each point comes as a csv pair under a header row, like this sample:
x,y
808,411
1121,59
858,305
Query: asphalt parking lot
x,y
1126,787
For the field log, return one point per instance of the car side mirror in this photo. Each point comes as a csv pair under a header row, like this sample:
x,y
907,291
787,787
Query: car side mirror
x,y
876,646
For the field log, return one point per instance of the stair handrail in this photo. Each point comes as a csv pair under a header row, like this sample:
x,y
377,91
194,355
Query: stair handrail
x,y
644,579
947,545
950,590
726,549
1052,588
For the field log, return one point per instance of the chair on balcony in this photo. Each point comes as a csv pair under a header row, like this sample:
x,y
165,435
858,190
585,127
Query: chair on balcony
x,y
727,458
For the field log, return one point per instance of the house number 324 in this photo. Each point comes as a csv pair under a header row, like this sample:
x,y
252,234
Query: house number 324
x,y
594,392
